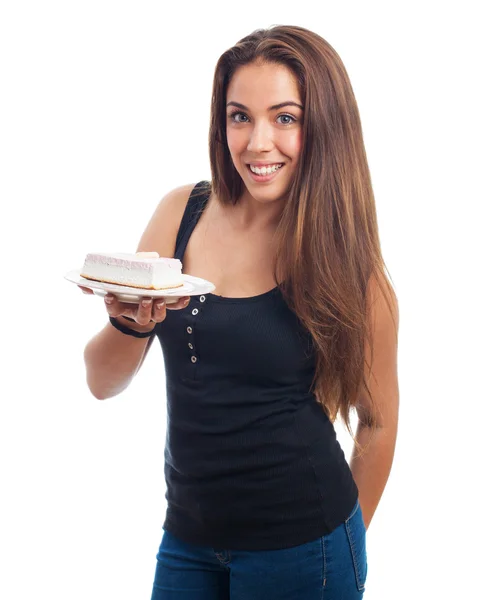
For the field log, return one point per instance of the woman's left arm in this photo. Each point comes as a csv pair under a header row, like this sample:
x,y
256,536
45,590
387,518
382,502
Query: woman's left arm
x,y
371,468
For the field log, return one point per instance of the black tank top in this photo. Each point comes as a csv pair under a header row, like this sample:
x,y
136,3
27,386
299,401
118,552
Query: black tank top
x,y
252,461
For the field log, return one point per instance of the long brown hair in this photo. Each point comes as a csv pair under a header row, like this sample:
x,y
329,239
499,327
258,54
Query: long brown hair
x,y
328,236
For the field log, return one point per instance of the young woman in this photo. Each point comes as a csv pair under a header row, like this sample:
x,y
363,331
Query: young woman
x,y
302,327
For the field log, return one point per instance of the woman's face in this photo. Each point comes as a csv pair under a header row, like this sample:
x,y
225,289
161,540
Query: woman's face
x,y
261,133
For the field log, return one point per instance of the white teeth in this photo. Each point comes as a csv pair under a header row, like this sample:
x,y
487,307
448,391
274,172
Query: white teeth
x,y
265,170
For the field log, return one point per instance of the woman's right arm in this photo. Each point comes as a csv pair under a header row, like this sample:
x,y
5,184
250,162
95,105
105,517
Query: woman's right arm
x,y
112,358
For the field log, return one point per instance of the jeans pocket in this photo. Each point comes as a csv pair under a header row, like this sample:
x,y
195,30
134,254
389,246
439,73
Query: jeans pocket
x,y
356,532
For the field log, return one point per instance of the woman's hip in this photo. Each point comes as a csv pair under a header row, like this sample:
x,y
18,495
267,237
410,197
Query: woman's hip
x,y
330,567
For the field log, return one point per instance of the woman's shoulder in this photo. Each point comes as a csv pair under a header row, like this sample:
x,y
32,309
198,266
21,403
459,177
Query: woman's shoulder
x,y
161,232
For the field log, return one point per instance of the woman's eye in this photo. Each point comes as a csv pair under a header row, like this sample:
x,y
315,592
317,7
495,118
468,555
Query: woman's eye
x,y
292,119
234,116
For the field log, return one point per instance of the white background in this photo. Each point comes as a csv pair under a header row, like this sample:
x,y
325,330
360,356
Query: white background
x,y
104,108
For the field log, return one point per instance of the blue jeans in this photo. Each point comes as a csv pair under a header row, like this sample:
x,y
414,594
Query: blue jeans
x,y
333,567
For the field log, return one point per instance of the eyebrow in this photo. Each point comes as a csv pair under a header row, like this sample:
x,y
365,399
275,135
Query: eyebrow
x,y
274,107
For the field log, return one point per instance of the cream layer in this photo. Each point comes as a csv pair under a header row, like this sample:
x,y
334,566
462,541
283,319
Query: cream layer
x,y
132,270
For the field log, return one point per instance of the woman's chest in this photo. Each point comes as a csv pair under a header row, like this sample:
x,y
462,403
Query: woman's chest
x,y
255,338
240,265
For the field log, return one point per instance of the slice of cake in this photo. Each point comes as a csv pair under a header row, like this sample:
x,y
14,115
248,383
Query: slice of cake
x,y
145,270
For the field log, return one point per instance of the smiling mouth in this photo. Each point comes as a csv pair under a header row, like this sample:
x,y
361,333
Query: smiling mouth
x,y
272,166
266,176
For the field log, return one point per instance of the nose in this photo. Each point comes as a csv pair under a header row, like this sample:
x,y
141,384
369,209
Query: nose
x,y
261,139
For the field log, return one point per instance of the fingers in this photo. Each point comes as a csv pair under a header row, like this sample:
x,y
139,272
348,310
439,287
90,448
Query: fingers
x,y
181,303
155,310
146,311
159,308
85,290
114,307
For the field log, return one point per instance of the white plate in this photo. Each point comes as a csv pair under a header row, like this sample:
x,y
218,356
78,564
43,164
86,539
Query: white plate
x,y
193,286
